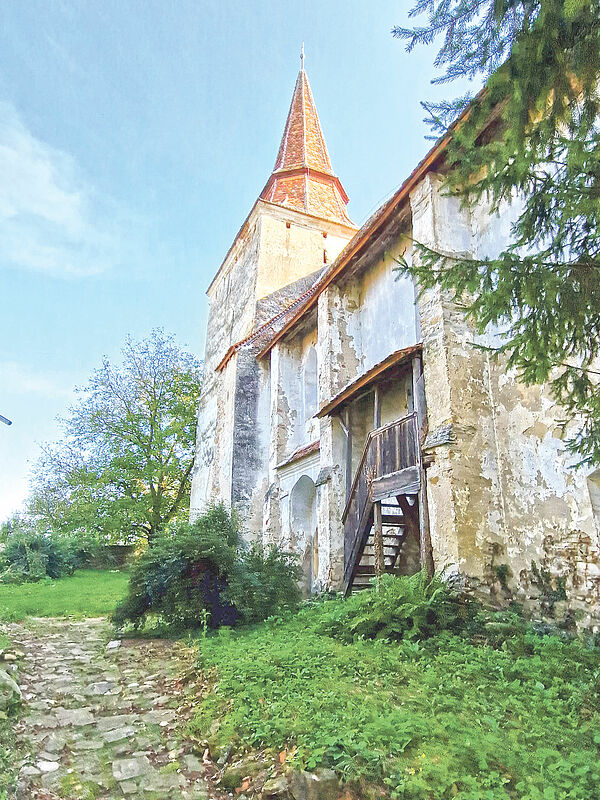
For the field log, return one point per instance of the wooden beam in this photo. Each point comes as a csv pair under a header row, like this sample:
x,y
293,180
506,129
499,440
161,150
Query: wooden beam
x,y
378,540
405,481
377,407
410,518
421,409
349,475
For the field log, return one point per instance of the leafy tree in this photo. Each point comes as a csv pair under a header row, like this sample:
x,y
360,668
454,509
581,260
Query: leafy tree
x,y
530,137
123,468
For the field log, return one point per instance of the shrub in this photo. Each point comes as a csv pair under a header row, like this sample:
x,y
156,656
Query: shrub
x,y
31,556
263,582
87,552
198,575
400,607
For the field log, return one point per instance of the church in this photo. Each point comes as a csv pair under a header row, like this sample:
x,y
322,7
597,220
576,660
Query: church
x,y
355,422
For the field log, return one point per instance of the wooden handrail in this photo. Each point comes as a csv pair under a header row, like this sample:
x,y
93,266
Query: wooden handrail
x,y
370,436
402,451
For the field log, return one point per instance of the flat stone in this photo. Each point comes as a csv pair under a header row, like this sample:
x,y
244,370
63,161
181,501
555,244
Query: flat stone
x,y
124,769
47,766
55,742
160,701
114,645
77,717
193,763
129,787
159,715
102,687
28,771
159,782
87,744
116,734
115,721
44,756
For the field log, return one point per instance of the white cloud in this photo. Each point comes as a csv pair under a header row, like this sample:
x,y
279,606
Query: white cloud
x,y
17,379
51,220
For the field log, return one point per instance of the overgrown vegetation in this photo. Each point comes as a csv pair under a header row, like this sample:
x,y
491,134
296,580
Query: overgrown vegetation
x,y
8,757
27,554
474,705
87,593
199,575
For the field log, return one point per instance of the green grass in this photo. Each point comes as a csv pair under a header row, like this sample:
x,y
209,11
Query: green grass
x,y
87,593
432,720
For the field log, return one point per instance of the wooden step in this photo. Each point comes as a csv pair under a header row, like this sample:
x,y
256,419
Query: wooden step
x,y
389,561
370,570
392,519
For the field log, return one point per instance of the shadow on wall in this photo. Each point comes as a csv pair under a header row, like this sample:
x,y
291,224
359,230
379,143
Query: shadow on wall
x,y
304,539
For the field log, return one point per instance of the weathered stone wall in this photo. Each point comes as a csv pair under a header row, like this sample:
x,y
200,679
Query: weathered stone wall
x,y
231,314
294,244
277,255
386,309
507,511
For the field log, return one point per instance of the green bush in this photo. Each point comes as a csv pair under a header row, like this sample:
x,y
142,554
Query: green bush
x,y
263,582
199,575
31,556
87,552
397,608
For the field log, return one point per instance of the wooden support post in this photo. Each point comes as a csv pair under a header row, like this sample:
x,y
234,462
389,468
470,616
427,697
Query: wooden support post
x,y
349,475
377,408
377,521
378,540
424,532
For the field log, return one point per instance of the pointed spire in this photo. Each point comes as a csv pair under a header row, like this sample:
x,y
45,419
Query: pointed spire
x,y
303,178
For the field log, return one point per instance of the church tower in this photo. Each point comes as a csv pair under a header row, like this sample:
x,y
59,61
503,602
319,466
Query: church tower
x,y
297,226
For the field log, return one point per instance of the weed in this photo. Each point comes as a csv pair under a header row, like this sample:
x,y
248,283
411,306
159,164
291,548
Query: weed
x,y
424,718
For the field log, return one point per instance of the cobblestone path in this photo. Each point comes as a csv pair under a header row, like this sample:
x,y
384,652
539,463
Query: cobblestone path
x,y
100,722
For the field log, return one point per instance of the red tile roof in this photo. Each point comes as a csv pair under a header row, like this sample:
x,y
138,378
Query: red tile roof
x,y
301,452
303,178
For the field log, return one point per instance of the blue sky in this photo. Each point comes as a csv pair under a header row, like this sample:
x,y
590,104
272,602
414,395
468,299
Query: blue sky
x,y
135,136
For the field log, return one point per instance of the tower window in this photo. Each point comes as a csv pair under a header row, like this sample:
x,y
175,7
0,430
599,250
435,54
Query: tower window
x,y
288,224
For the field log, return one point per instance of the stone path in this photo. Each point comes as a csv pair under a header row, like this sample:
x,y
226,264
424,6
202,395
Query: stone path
x,y
103,722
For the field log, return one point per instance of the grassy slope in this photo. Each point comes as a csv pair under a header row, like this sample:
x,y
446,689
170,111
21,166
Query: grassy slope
x,y
441,719
87,593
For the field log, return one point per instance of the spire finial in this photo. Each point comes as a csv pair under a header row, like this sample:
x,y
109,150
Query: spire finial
x,y
302,58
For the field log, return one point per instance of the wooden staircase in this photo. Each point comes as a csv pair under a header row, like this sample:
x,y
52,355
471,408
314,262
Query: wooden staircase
x,y
384,491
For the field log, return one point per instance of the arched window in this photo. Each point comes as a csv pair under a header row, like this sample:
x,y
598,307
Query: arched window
x,y
310,383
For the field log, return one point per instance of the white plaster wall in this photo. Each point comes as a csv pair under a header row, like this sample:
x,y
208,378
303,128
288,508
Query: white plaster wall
x,y
301,429
386,311
502,491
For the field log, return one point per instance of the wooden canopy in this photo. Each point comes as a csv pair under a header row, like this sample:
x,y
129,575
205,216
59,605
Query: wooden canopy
x,y
372,376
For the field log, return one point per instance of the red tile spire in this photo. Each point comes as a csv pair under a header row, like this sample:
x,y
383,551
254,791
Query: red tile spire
x,y
303,178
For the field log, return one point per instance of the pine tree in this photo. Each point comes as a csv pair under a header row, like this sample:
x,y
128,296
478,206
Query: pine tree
x,y
531,133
